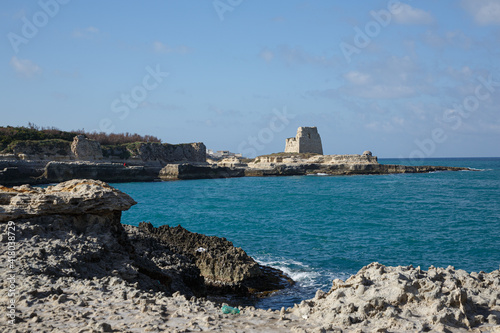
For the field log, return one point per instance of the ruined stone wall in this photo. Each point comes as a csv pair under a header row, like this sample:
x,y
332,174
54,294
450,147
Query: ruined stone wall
x,y
307,140
292,145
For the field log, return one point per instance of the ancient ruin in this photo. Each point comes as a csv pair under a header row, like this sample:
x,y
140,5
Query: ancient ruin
x,y
307,140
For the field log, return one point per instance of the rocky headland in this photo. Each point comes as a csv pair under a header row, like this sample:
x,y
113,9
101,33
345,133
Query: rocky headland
x,y
298,164
56,160
78,269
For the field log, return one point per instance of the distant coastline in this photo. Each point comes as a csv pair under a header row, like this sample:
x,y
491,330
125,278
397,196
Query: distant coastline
x,y
33,156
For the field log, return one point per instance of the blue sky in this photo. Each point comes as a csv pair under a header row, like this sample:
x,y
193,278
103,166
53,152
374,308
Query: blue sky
x,y
399,78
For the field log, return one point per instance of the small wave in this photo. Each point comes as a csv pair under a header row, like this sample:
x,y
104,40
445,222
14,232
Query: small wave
x,y
318,174
474,169
304,278
301,273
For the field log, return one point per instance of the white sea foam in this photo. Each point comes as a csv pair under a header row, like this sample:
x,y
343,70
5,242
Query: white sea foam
x,y
301,273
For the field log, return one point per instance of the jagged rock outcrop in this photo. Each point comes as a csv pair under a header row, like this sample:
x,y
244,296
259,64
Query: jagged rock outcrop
x,y
73,230
224,267
85,149
407,299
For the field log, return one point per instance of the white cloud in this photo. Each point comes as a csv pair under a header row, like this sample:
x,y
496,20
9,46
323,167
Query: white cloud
x,y
160,47
88,32
25,67
406,14
485,12
392,78
357,78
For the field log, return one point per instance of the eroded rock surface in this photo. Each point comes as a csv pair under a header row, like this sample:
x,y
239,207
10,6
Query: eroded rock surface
x,y
407,299
74,197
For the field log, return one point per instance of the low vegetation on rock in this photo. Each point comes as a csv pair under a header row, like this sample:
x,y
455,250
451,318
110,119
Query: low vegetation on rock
x,y
10,135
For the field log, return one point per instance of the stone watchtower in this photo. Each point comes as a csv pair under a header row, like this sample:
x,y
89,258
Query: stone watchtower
x,y
307,140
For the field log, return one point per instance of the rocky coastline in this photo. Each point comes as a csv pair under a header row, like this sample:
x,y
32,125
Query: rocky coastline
x,y
78,269
46,162
14,173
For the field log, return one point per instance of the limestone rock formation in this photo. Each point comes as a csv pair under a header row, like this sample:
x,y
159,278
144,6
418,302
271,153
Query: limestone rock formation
x,y
85,149
294,164
77,196
407,299
307,140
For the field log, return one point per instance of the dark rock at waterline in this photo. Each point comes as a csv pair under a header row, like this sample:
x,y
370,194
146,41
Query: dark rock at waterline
x,y
109,172
225,268
196,171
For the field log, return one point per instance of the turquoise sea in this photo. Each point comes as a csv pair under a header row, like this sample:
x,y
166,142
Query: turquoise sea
x,y
317,228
